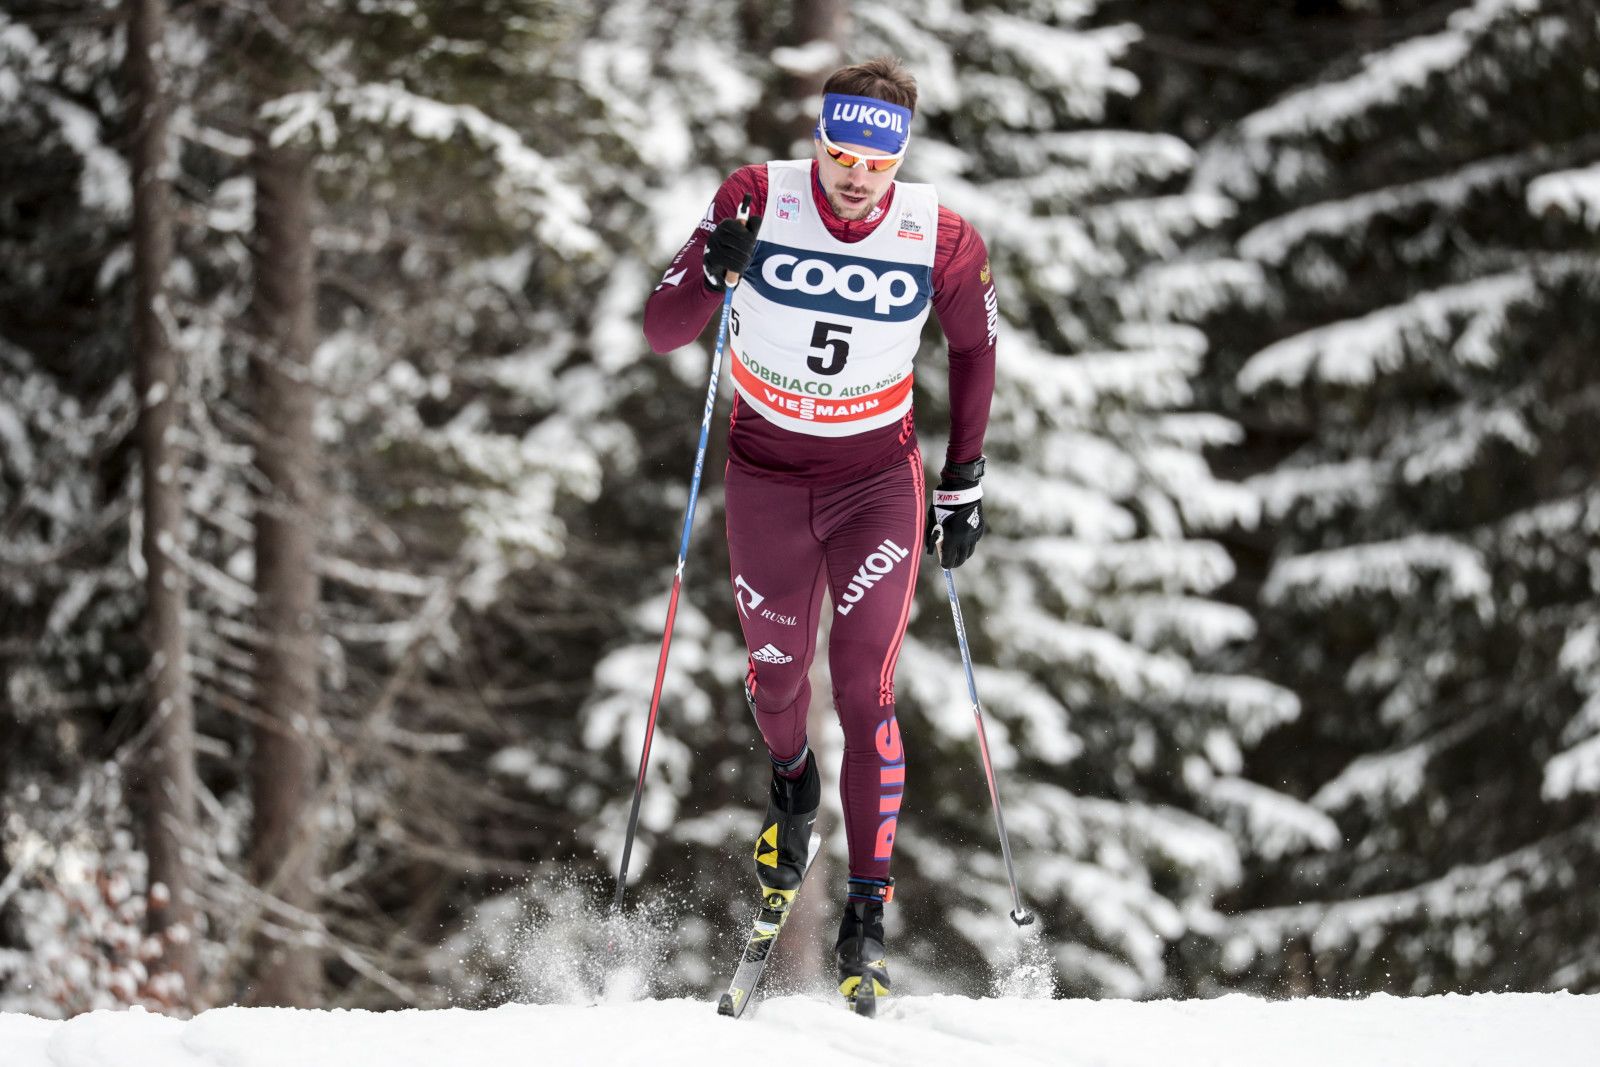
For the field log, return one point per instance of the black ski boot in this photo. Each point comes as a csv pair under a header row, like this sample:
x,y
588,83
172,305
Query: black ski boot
x,y
863,975
784,844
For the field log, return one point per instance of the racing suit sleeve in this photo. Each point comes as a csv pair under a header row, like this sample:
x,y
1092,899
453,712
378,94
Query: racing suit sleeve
x,y
969,313
682,303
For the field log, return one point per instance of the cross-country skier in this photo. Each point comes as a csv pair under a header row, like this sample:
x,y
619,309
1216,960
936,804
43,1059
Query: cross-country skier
x,y
825,486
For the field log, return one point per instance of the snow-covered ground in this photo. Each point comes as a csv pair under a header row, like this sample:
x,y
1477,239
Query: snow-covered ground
x,y
1504,1030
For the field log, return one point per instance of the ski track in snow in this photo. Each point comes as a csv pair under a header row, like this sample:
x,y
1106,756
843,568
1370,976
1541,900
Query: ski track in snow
x,y
1550,1030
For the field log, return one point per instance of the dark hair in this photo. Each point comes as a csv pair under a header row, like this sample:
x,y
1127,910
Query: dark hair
x,y
883,78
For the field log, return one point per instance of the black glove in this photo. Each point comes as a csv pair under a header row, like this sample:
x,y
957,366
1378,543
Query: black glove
x,y
728,250
956,515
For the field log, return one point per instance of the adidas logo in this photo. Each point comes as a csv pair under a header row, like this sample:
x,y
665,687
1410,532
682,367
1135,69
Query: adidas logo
x,y
771,653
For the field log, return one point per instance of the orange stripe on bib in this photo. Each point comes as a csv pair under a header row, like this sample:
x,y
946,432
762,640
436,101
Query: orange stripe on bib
x,y
819,409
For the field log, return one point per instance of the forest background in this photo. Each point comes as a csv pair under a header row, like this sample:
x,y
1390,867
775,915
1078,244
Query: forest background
x,y
339,494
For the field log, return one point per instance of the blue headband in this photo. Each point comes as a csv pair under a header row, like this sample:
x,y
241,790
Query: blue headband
x,y
861,120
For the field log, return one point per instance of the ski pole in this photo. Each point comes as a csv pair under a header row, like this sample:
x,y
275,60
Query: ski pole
x,y
677,577
1019,915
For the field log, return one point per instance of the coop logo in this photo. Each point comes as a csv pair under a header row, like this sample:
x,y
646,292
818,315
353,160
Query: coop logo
x,y
870,573
856,283
828,283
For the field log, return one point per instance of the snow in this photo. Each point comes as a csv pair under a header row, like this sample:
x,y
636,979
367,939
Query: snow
x,y
1160,227
21,59
1327,486
1275,240
1191,291
1575,193
1080,64
1552,1030
104,184
1130,566
1200,627
1273,825
1385,77
1577,770
1384,779
1252,706
1453,445
561,214
1359,351
1038,505
1078,165
809,58
1320,579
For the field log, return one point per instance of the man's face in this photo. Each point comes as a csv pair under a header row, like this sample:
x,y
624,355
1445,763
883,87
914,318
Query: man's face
x,y
852,192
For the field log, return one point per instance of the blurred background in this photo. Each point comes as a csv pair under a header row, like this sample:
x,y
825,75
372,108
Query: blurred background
x,y
339,496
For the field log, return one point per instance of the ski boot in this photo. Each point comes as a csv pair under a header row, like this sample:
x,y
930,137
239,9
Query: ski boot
x,y
863,975
784,845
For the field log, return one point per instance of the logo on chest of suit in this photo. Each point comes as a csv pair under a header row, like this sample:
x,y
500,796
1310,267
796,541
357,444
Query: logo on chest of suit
x,y
788,206
826,282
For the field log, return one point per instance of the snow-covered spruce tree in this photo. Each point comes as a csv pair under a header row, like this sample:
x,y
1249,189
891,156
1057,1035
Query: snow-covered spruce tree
x,y
459,266
1412,353
449,418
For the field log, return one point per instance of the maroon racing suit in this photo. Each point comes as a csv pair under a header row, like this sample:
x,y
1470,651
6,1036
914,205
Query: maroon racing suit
x,y
844,513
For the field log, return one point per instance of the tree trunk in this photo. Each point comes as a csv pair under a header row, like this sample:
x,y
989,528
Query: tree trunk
x,y
169,768
288,969
817,22
784,126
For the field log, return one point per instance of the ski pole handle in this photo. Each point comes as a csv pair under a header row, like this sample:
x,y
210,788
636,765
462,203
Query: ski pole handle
x,y
743,215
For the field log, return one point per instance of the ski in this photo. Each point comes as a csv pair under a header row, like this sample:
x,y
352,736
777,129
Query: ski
x,y
764,933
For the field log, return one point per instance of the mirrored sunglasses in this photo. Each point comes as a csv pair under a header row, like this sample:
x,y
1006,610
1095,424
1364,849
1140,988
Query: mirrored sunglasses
x,y
851,160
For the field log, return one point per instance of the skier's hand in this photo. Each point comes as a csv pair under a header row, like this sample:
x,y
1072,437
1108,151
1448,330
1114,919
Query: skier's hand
x,y
955,518
728,250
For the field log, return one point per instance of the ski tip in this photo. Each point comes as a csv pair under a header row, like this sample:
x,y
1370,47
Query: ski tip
x,y
725,1006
